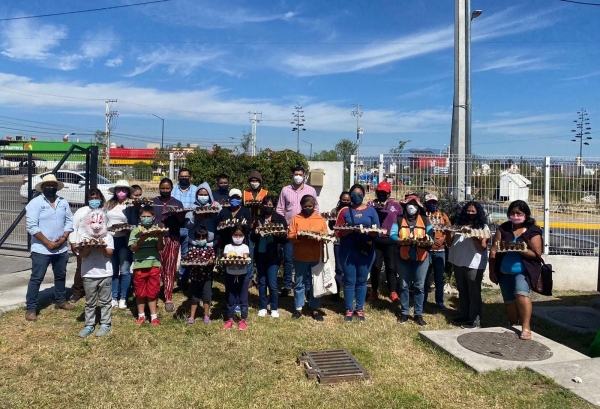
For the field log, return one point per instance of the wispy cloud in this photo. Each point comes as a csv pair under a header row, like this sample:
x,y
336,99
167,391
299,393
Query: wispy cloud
x,y
516,63
26,40
183,61
95,45
430,90
114,62
511,124
584,76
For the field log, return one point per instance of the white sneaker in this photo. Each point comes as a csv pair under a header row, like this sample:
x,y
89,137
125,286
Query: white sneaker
x,y
262,313
274,314
114,303
122,304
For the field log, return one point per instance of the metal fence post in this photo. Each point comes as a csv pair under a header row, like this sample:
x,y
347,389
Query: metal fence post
x,y
93,177
171,165
547,206
380,179
351,176
29,189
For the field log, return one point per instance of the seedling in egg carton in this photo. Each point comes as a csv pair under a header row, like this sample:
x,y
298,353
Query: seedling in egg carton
x,y
230,223
511,246
153,231
232,259
273,229
115,228
143,201
315,235
206,210
419,242
91,242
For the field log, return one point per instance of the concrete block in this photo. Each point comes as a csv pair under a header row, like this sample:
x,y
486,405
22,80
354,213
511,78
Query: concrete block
x,y
578,318
447,341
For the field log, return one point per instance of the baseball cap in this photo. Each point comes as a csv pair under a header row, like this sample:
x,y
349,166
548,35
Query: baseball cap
x,y
384,187
235,192
430,197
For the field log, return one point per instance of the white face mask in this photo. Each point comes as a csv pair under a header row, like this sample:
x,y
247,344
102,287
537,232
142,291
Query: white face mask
x,y
412,209
238,240
298,179
254,185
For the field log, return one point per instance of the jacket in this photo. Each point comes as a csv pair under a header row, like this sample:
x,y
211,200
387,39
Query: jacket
x,y
274,246
307,250
224,236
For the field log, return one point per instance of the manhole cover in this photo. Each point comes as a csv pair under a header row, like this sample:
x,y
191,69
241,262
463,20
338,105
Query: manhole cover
x,y
580,319
332,366
504,345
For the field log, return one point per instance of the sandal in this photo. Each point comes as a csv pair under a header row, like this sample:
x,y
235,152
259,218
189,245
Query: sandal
x,y
525,335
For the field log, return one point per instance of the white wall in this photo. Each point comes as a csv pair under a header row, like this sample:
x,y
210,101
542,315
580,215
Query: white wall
x,y
333,183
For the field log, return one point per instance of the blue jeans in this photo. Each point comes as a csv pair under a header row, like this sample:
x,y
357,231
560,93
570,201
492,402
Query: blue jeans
x,y
184,272
288,255
303,283
250,266
339,272
39,265
436,267
237,294
414,272
121,262
512,285
356,271
267,270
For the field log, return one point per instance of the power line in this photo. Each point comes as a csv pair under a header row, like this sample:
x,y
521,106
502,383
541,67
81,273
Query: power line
x,y
585,3
84,11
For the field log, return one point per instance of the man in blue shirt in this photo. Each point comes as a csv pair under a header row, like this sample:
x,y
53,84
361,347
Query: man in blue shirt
x,y
49,222
185,192
222,191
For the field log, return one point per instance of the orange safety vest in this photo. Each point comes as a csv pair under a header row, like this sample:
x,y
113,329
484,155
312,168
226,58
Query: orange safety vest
x,y
260,196
419,231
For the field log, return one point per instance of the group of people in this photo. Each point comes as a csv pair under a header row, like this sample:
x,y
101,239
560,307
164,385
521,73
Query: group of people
x,y
200,226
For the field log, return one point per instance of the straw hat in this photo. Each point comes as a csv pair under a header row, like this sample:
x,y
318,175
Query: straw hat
x,y
412,197
121,183
48,179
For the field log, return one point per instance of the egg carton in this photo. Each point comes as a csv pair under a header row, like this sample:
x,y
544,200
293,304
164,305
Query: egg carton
x,y
227,224
372,229
153,231
419,242
315,235
253,203
176,209
346,227
275,229
235,260
329,215
206,210
144,201
379,205
224,203
115,228
196,263
467,232
511,246
91,243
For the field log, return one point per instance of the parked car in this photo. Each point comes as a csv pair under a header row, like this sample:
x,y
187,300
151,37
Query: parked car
x,y
74,190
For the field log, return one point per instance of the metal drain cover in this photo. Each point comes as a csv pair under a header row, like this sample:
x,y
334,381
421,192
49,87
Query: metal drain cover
x,y
504,345
332,366
581,319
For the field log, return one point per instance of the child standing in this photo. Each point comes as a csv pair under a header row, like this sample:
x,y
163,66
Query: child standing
x,y
146,267
96,273
201,276
236,280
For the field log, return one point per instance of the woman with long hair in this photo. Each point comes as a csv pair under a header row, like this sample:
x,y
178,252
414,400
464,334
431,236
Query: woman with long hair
x,y
515,272
344,201
468,256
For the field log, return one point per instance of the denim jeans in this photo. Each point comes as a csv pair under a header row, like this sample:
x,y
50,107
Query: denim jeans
x,y
339,271
250,266
121,262
303,283
267,270
436,267
237,294
288,255
39,265
356,271
414,272
184,272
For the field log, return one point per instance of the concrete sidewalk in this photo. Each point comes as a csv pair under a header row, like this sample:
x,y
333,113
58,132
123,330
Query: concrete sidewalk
x,y
13,285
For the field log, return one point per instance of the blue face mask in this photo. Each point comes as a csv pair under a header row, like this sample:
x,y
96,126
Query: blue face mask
x,y
431,208
235,202
200,243
201,200
356,198
94,203
146,220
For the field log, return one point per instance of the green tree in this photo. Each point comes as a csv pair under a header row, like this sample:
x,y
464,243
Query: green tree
x,y
344,149
246,142
398,150
326,156
142,171
100,137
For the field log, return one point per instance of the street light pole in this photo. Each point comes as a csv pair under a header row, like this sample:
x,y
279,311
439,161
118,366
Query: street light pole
x,y
468,106
309,156
162,135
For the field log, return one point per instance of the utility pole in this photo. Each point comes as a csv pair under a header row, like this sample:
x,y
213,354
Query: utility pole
x,y
359,131
109,116
310,155
298,123
582,128
254,121
162,134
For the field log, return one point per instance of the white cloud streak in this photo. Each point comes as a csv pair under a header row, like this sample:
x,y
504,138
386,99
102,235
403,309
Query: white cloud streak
x,y
25,40
182,61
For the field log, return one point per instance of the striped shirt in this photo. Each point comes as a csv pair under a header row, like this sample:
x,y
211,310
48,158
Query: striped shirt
x,y
289,200
147,255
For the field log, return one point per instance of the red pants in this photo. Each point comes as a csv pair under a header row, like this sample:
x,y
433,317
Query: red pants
x,y
168,261
146,282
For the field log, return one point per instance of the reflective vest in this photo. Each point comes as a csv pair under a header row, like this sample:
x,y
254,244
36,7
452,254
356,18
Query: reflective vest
x,y
418,232
249,196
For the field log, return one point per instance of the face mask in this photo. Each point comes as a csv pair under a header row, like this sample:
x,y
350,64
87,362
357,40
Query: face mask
x,y
238,240
223,188
49,192
356,198
517,219
235,202
146,220
184,182
268,210
201,200
307,211
412,209
472,217
254,185
200,243
165,195
121,195
344,204
382,197
94,203
431,208
298,179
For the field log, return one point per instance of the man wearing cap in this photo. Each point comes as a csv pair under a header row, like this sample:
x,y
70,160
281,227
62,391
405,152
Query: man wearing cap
x,y
49,222
437,252
388,211
185,192
255,193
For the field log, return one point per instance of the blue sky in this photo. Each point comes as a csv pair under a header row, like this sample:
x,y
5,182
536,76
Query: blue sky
x,y
202,65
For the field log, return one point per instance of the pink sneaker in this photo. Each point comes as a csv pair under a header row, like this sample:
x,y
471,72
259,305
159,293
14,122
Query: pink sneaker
x,y
242,325
228,324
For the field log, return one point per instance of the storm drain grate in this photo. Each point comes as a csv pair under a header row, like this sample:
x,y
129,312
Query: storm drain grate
x,y
332,366
504,345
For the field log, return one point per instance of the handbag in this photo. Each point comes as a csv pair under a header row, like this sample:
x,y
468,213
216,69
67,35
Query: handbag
x,y
363,247
544,283
323,276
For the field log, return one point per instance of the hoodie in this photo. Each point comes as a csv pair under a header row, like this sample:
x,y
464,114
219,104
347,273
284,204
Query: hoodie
x,y
255,174
206,186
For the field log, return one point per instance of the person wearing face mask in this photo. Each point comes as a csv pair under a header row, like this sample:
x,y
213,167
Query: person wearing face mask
x,y
49,222
173,222
117,212
94,200
516,272
221,194
437,253
469,257
344,201
289,206
255,193
413,260
185,192
388,211
267,256
357,251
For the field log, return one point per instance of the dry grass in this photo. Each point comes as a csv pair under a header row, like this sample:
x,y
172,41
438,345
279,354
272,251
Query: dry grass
x,y
176,365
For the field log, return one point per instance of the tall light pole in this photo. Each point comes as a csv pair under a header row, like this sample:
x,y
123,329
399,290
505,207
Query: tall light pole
x,y
298,123
162,135
582,128
309,156
469,105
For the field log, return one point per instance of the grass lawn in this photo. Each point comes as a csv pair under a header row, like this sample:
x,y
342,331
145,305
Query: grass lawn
x,y
45,364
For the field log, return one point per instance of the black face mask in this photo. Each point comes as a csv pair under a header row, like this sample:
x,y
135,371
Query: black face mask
x,y
382,197
165,195
472,217
307,212
345,204
268,210
184,182
49,192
